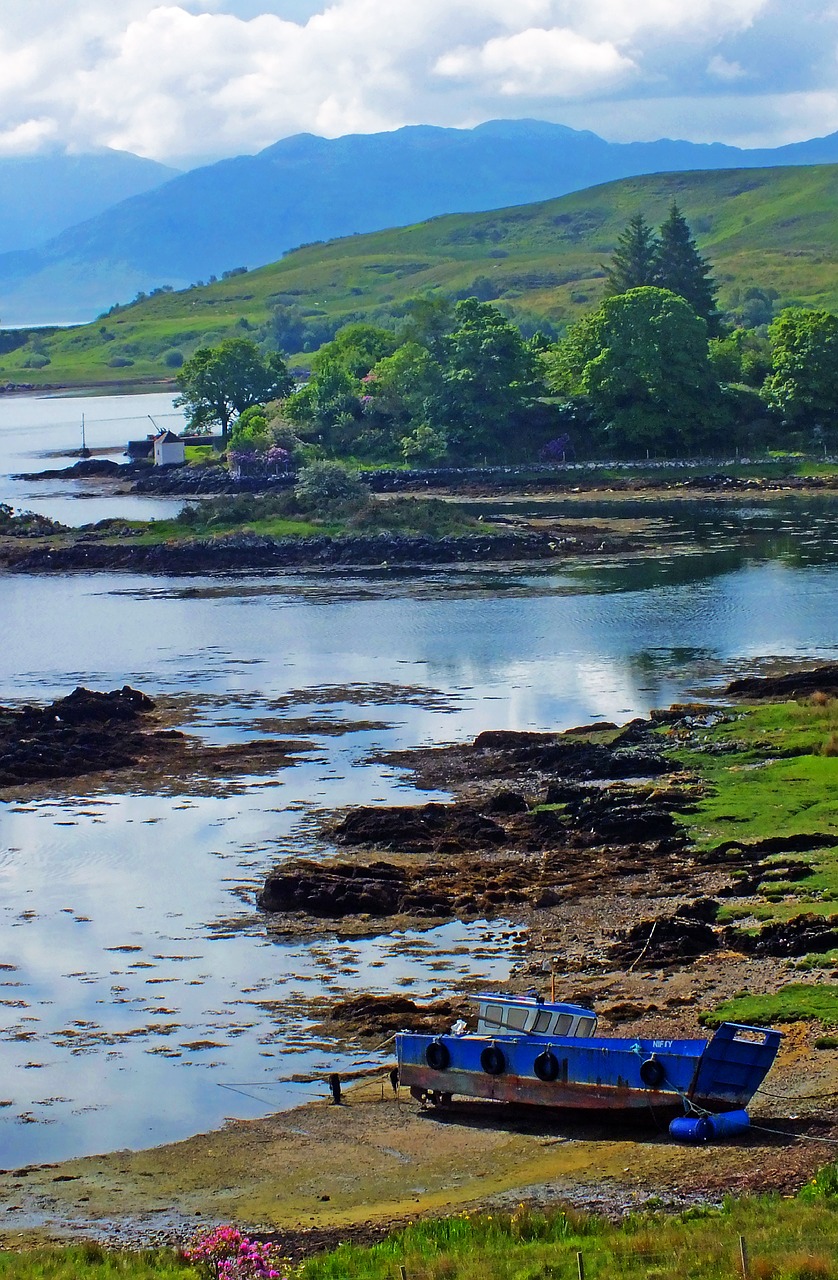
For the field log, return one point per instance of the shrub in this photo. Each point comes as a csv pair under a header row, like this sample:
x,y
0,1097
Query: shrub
x,y
330,487
173,359
119,362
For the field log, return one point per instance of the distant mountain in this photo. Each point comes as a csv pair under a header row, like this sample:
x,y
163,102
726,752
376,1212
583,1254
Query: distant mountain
x,y
43,195
770,234
249,210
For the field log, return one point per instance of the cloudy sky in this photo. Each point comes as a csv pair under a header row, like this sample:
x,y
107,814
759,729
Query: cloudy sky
x,y
201,79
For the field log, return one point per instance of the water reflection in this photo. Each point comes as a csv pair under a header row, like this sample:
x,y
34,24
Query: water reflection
x,y
134,977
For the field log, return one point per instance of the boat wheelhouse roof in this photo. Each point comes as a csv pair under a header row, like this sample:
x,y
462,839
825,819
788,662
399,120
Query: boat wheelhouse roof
x,y
533,1002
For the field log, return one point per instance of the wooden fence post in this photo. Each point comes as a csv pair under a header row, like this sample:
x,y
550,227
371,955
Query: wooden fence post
x,y
402,1274
743,1257
580,1266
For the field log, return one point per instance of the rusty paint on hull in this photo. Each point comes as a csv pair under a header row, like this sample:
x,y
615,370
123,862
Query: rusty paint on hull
x,y
515,1088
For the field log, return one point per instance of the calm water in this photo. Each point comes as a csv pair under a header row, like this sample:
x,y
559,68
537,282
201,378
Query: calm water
x,y
40,432
139,981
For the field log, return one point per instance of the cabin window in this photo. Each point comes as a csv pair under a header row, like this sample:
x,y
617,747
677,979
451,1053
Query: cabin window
x,y
517,1018
542,1022
493,1015
586,1026
563,1024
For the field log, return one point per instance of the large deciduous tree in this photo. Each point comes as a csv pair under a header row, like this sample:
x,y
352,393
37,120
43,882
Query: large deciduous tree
x,y
489,377
641,363
803,383
219,383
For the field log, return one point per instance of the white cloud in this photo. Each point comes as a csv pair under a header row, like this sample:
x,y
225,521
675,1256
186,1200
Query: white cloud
x,y
556,63
31,135
721,69
172,79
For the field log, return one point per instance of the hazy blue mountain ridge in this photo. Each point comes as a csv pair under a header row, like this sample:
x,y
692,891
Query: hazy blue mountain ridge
x,y
247,211
43,195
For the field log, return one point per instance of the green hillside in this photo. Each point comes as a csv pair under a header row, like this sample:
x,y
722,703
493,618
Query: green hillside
x,y
767,228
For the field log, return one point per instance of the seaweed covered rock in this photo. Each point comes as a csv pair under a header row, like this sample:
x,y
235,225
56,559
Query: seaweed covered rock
x,y
85,732
796,937
573,758
334,890
665,941
368,1015
793,684
419,827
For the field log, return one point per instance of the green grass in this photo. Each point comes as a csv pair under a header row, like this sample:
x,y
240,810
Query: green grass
x,y
777,783
264,515
787,1240
819,960
771,228
795,1002
157,531
91,1262
200,453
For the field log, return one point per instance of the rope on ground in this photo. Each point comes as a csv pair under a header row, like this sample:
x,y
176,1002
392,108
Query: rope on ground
x,y
795,1137
797,1097
645,949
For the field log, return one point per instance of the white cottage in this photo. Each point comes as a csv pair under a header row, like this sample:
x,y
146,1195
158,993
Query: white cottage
x,y
169,449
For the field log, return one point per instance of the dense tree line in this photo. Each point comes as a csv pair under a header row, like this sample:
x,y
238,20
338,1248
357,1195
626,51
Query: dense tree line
x,y
652,369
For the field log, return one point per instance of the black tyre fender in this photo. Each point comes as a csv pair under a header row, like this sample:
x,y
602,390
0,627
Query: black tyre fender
x,y
493,1060
437,1056
546,1066
652,1073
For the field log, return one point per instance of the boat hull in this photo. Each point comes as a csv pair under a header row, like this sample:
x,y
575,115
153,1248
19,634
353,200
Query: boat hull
x,y
594,1074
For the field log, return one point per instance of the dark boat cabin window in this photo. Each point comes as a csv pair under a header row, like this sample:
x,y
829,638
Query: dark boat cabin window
x,y
563,1024
542,1022
492,1015
517,1019
586,1027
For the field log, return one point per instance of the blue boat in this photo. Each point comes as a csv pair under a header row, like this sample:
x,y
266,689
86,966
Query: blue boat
x,y
547,1053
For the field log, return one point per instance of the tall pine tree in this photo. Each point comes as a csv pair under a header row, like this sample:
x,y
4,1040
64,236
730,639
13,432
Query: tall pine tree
x,y
634,263
680,268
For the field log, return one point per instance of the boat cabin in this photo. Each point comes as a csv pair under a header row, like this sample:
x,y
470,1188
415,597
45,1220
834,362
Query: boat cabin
x,y
530,1016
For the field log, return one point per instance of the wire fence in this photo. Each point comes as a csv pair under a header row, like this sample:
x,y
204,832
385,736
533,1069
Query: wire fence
x,y
736,1258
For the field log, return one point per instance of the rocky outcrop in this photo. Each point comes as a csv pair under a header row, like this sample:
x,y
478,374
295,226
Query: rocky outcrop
x,y
665,941
254,551
418,827
85,732
335,890
80,470
90,732
792,684
800,936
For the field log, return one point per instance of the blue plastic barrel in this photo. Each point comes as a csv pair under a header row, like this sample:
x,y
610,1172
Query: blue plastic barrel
x,y
690,1129
728,1124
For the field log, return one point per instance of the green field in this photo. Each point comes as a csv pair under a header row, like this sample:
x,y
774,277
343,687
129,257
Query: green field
x,y
761,228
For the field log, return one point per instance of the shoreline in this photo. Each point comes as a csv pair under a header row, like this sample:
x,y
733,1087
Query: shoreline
x,y
380,1159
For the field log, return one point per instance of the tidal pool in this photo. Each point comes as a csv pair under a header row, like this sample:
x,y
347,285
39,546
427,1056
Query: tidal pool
x,y
136,978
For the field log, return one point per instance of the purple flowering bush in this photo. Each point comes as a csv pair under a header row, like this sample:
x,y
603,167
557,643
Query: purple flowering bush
x,y
224,1253
558,450
249,462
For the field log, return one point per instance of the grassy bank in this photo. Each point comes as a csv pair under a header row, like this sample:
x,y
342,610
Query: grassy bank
x,y
784,1240
770,771
89,1261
